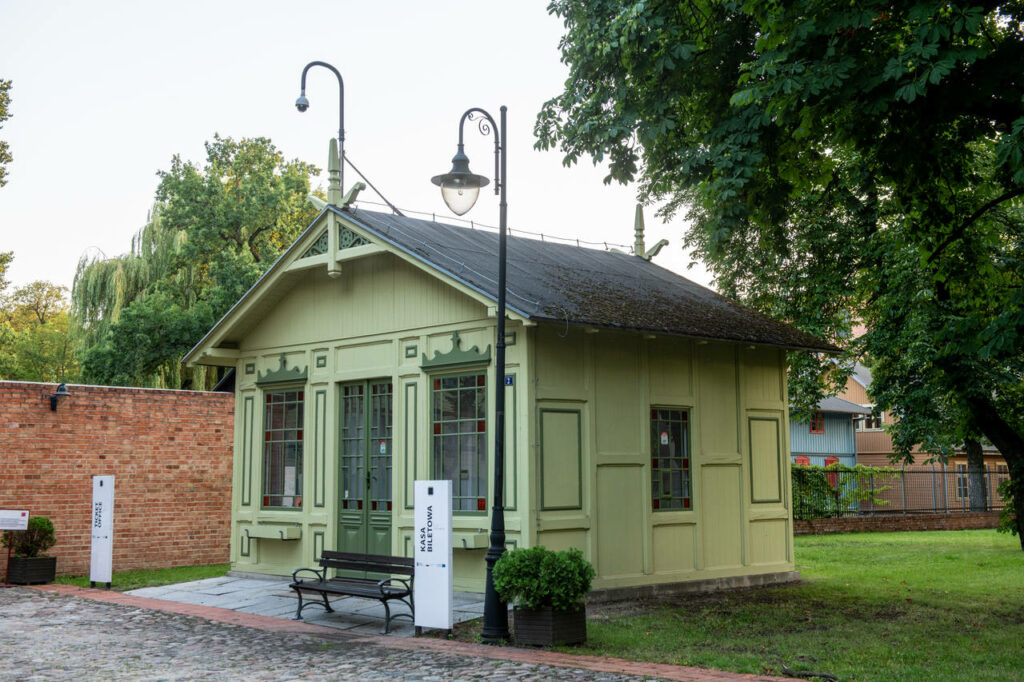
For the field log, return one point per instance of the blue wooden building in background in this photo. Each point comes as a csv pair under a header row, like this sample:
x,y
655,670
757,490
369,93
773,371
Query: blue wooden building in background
x,y
830,434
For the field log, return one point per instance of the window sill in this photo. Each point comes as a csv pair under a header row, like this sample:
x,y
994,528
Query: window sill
x,y
273,532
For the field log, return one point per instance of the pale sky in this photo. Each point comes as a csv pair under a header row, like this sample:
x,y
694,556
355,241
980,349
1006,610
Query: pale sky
x,y
105,93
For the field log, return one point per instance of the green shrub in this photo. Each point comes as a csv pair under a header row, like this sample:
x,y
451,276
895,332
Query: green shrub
x,y
1007,519
32,542
835,490
536,578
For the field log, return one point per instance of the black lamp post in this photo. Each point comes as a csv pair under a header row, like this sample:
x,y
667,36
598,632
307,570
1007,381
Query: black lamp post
x,y
302,104
460,188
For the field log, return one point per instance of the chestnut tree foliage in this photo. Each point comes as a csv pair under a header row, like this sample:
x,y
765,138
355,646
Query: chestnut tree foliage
x,y
836,162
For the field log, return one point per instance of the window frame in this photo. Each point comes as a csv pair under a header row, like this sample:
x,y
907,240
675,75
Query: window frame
x,y
818,418
962,484
437,433
299,441
875,421
685,458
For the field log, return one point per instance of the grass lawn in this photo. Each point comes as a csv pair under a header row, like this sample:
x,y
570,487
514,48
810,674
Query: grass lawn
x,y
943,605
133,580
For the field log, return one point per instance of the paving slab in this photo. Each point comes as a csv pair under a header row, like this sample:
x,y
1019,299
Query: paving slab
x,y
272,597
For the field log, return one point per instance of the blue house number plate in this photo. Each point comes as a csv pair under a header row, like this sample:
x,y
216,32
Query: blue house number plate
x,y
510,380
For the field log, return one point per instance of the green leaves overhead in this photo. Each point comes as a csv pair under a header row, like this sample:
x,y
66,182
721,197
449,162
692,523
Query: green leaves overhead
x,y
837,163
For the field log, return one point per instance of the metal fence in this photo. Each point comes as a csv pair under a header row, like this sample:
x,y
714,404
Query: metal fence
x,y
820,492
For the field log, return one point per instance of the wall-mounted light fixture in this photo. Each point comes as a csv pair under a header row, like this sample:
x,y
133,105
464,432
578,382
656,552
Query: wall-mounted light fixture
x,y
62,392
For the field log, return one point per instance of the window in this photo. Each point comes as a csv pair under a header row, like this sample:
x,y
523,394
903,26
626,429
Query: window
x,y
961,481
282,449
460,438
818,422
872,422
670,459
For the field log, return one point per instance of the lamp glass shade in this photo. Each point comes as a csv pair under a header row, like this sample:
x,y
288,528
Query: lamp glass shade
x,y
459,195
460,186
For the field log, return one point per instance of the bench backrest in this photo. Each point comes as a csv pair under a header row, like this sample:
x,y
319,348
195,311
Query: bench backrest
x,y
370,563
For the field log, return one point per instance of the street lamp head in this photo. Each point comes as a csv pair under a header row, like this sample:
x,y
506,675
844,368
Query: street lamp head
x,y
302,103
460,186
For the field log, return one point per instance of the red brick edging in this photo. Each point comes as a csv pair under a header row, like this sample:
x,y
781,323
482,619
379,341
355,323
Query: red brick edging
x,y
889,523
539,657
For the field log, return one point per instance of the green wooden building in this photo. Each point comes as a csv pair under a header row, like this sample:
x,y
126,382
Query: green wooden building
x,y
646,415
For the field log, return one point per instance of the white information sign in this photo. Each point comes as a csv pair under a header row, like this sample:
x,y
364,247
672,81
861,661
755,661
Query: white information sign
x,y
13,519
102,559
434,588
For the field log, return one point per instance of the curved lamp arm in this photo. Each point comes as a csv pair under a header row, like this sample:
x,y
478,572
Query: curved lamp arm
x,y
486,126
302,104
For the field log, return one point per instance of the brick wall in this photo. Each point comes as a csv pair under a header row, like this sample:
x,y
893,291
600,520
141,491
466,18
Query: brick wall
x,y
897,522
170,452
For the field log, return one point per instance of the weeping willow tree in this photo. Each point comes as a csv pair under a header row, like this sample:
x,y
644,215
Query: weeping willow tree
x,y
211,234
104,287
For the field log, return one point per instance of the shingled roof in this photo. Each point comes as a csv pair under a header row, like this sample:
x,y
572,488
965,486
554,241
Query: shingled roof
x,y
561,283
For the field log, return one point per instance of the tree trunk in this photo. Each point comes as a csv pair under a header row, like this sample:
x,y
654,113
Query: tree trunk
x,y
976,475
1010,445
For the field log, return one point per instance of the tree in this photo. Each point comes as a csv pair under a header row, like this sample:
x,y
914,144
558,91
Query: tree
x,y
211,234
35,342
836,162
5,149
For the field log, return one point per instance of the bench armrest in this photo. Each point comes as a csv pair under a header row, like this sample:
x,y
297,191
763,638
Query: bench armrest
x,y
320,575
388,581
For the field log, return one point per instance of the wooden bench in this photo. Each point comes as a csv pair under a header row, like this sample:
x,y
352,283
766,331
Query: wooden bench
x,y
385,590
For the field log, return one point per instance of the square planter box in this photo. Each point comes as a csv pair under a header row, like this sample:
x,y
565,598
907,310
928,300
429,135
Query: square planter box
x,y
544,627
32,570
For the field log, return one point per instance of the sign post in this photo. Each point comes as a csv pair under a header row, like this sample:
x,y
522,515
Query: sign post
x,y
12,519
434,589
102,558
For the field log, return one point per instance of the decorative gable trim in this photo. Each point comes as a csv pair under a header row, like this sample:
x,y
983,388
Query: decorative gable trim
x,y
283,374
457,358
318,248
348,239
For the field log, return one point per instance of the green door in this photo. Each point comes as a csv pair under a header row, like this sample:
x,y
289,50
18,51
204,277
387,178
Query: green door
x,y
364,514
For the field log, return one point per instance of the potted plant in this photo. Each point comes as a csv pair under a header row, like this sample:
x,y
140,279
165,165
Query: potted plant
x,y
547,589
29,566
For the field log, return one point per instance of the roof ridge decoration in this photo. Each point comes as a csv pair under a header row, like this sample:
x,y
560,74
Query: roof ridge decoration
x,y
457,358
282,374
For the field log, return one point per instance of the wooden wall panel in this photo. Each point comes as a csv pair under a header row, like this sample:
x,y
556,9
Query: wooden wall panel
x,y
674,548
620,406
717,400
721,532
561,460
768,541
620,504
765,434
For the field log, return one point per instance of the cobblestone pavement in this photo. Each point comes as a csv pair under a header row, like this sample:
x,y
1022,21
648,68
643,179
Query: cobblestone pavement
x,y
58,636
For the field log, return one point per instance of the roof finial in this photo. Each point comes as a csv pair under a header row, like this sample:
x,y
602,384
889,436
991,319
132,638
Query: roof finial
x,y
333,175
638,227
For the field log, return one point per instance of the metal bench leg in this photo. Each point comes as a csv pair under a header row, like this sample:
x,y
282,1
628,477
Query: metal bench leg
x,y
298,611
387,616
